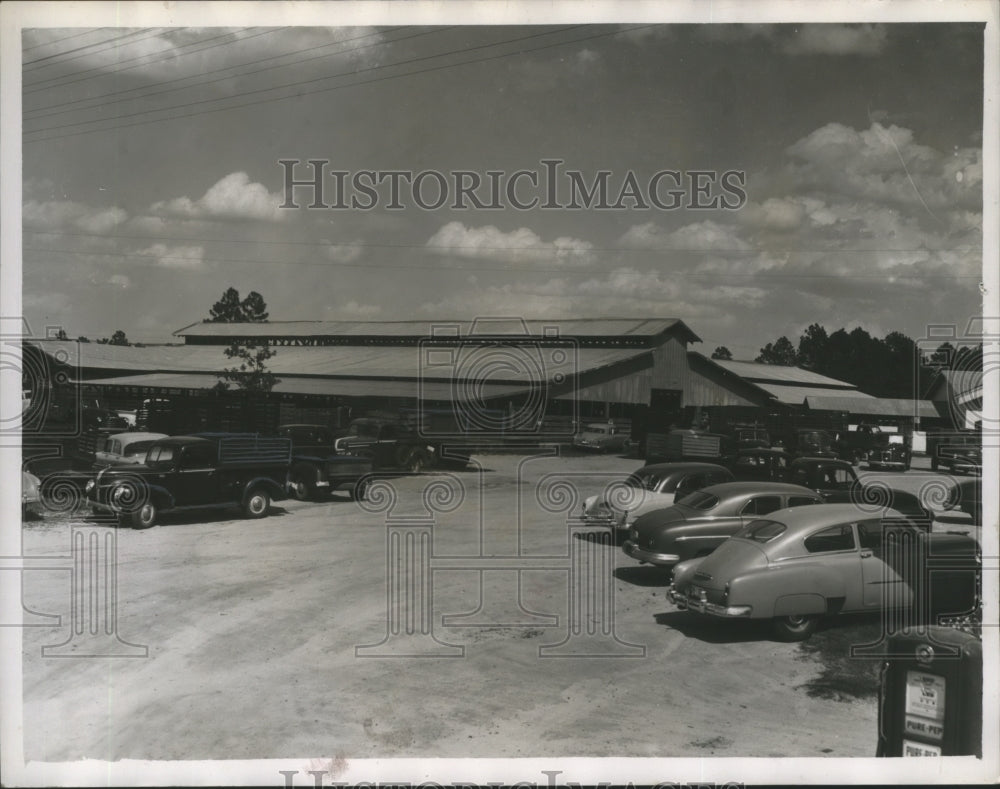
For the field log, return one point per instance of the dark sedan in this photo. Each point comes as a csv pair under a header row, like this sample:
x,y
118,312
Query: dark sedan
x,y
700,522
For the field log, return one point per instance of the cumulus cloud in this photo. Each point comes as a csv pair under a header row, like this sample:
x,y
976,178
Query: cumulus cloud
x,y
707,236
175,257
834,39
63,214
517,246
344,253
886,165
232,197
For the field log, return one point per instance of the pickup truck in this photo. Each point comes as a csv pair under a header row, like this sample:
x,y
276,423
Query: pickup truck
x,y
317,468
192,473
391,445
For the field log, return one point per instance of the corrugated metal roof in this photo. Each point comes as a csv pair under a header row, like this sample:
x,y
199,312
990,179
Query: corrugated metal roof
x,y
576,327
349,387
796,395
496,364
752,371
875,406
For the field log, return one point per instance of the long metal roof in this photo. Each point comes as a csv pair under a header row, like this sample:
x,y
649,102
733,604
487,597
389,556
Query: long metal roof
x,y
502,364
345,387
575,327
873,406
796,395
755,372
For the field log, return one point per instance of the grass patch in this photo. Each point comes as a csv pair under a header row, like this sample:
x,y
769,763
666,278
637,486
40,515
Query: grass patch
x,y
842,677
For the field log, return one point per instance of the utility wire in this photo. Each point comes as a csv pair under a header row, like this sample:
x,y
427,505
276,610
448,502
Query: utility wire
x,y
230,76
153,31
65,38
170,54
300,94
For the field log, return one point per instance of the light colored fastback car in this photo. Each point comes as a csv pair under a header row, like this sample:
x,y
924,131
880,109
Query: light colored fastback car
x,y
652,487
700,522
125,448
795,566
607,437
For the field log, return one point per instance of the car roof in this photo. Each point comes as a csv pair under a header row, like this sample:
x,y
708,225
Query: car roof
x,y
680,467
137,436
762,451
822,461
311,425
727,489
817,516
185,440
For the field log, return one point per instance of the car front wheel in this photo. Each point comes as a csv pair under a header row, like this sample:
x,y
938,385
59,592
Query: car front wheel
x,y
144,517
257,504
795,628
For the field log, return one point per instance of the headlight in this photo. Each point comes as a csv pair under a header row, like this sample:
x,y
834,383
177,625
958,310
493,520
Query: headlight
x,y
91,484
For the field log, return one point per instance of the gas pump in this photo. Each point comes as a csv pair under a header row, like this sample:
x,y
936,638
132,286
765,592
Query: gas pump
x,y
931,694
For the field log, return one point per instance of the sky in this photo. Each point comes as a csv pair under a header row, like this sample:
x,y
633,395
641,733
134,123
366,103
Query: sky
x,y
152,177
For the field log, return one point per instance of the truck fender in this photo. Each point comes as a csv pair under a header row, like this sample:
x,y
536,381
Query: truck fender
x,y
275,491
307,469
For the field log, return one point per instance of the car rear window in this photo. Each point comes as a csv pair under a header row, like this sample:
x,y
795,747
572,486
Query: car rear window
x,y
762,530
700,500
138,448
644,481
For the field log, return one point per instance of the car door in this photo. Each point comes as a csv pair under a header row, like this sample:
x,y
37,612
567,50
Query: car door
x,y
883,586
386,445
836,548
197,476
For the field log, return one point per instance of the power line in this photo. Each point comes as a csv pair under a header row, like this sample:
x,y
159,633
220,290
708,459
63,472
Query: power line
x,y
231,76
170,54
365,244
65,38
155,32
294,85
764,275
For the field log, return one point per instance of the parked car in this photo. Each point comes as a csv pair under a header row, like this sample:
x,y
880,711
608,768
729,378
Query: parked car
x,y
30,496
317,468
838,483
761,464
968,460
890,451
392,444
689,445
120,449
650,487
603,437
700,522
798,565
751,437
968,497
195,472
807,442
942,447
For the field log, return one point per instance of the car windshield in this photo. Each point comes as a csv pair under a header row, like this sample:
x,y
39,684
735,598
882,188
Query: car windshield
x,y
364,429
160,454
646,481
762,530
137,449
596,429
700,500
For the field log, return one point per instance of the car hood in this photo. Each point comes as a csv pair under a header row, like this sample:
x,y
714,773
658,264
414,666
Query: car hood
x,y
732,558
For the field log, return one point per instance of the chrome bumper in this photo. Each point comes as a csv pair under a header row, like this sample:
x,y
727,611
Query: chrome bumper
x,y
704,607
642,555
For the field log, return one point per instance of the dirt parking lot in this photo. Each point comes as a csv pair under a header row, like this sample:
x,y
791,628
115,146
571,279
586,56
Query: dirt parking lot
x,y
251,633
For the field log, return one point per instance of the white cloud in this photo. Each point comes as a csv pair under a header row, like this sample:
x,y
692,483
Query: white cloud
x,y
518,246
120,280
232,197
175,257
63,214
354,309
345,253
707,236
834,39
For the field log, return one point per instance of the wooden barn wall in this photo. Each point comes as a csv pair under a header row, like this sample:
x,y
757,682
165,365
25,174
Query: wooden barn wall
x,y
630,388
703,390
670,366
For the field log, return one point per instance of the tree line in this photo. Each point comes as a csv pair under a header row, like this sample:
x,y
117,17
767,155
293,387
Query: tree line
x,y
891,366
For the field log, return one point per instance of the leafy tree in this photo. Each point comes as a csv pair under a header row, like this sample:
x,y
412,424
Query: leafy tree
x,y
227,309
118,338
812,347
251,373
780,352
81,338
230,309
722,352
